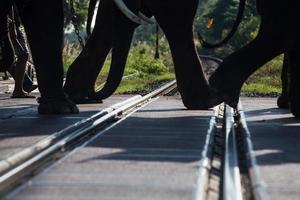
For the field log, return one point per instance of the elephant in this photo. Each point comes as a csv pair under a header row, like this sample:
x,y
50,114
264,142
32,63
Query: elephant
x,y
43,22
114,30
283,99
278,33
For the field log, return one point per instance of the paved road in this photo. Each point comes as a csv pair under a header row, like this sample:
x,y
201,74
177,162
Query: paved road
x,y
154,153
21,126
276,139
151,155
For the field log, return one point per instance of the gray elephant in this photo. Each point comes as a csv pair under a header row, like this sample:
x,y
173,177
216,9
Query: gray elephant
x,y
43,22
278,33
114,30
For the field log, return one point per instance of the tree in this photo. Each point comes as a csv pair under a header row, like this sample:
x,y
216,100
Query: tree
x,y
81,12
221,15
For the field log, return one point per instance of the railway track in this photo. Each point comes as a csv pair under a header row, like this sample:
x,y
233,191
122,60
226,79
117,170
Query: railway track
x,y
227,169
19,167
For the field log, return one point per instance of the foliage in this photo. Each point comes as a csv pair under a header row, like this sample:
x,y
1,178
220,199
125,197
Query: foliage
x,y
266,80
141,60
80,7
223,14
70,52
142,69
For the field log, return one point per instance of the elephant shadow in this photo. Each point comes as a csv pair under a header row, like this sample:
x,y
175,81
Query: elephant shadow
x,y
148,139
10,111
179,139
22,121
275,136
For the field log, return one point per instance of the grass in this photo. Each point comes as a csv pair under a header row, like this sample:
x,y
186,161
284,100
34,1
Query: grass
x,y
144,84
265,81
70,52
143,73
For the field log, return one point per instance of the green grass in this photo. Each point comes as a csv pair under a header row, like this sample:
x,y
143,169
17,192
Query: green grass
x,y
260,89
143,84
145,73
142,73
266,80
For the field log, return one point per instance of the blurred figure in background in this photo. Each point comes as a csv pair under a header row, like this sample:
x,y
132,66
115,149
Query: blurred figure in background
x,y
23,83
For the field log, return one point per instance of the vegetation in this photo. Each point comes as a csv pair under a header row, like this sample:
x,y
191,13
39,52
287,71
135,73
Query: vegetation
x,y
265,81
214,20
80,8
142,71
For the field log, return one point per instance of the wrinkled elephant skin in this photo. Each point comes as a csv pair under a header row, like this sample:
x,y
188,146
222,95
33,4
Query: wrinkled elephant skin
x,y
113,30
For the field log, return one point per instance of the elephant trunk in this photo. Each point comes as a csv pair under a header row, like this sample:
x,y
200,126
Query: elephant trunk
x,y
121,46
84,71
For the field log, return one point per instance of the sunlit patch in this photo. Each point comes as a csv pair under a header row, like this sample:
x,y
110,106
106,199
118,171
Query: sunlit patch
x,y
210,23
253,34
265,152
292,124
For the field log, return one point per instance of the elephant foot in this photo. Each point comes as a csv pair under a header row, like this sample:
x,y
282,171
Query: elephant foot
x,y
218,96
210,100
295,108
57,106
221,92
283,102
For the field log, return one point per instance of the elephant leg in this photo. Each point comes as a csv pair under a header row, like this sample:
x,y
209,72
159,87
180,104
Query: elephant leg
x,y
44,28
43,22
237,67
83,72
123,30
294,85
191,81
283,100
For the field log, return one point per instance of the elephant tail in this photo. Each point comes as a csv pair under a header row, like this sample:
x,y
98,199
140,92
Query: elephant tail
x,y
234,28
91,11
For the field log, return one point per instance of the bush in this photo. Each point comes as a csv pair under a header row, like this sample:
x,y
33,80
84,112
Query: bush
x,y
141,60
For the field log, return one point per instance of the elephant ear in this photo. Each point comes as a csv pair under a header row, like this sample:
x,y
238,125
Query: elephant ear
x,y
91,13
234,28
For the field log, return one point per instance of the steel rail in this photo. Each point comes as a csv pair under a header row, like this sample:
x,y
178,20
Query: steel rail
x,y
28,152
22,164
257,184
232,189
205,162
